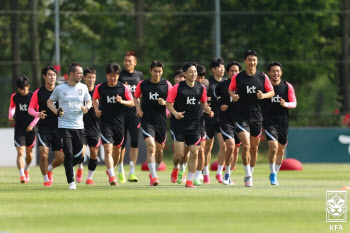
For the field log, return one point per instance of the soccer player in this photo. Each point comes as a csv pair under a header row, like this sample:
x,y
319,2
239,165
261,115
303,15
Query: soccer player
x,y
91,130
248,88
130,77
75,101
154,92
183,103
24,125
212,125
196,180
227,125
178,173
48,125
113,96
276,118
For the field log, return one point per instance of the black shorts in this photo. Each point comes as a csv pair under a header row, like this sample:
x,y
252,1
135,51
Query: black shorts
x,y
92,141
132,125
230,131
72,141
211,128
113,135
273,133
158,133
49,138
190,137
25,139
254,128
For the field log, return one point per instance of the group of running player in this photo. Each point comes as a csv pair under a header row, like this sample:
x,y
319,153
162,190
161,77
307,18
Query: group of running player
x,y
72,116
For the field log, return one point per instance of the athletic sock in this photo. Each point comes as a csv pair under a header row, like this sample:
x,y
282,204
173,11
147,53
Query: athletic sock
x,y
21,172
80,166
247,170
157,166
132,167
190,176
197,174
111,172
227,170
26,167
183,166
46,178
177,166
89,175
277,168
152,169
219,170
206,170
50,168
272,167
252,170
120,168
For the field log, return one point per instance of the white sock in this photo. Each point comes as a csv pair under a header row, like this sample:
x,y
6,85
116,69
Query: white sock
x,y
120,168
190,176
219,170
46,178
89,175
272,167
50,168
197,174
206,170
277,168
132,167
247,170
183,167
21,172
152,169
80,166
111,172
157,166
26,167
177,166
227,169
252,170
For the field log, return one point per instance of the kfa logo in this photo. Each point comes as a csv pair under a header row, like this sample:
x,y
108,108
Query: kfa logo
x,y
80,91
153,96
23,107
336,208
64,94
251,89
276,99
111,100
191,100
74,104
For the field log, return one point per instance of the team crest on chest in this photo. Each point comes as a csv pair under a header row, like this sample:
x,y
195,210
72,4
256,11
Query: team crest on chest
x,y
80,91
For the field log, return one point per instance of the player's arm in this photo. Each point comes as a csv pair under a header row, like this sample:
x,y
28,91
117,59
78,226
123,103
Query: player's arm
x,y
59,112
129,102
291,96
95,103
268,88
34,105
204,104
87,106
12,109
137,96
232,89
170,107
217,94
206,82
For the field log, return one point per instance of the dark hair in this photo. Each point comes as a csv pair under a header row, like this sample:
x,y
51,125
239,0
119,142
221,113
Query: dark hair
x,y
233,63
216,62
188,65
250,52
72,67
46,68
201,70
131,53
113,68
157,63
179,72
274,63
22,82
89,70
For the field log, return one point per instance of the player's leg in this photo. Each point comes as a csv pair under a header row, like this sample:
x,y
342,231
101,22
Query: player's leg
x,y
30,142
67,139
200,164
79,174
151,160
282,143
236,150
134,131
43,163
183,164
20,162
192,164
230,146
108,149
56,146
207,157
221,157
94,143
255,134
179,148
244,135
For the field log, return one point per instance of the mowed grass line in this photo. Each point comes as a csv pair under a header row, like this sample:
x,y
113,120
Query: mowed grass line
x,y
297,205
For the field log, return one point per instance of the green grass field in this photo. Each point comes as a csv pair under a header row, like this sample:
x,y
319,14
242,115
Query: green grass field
x,y
296,205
